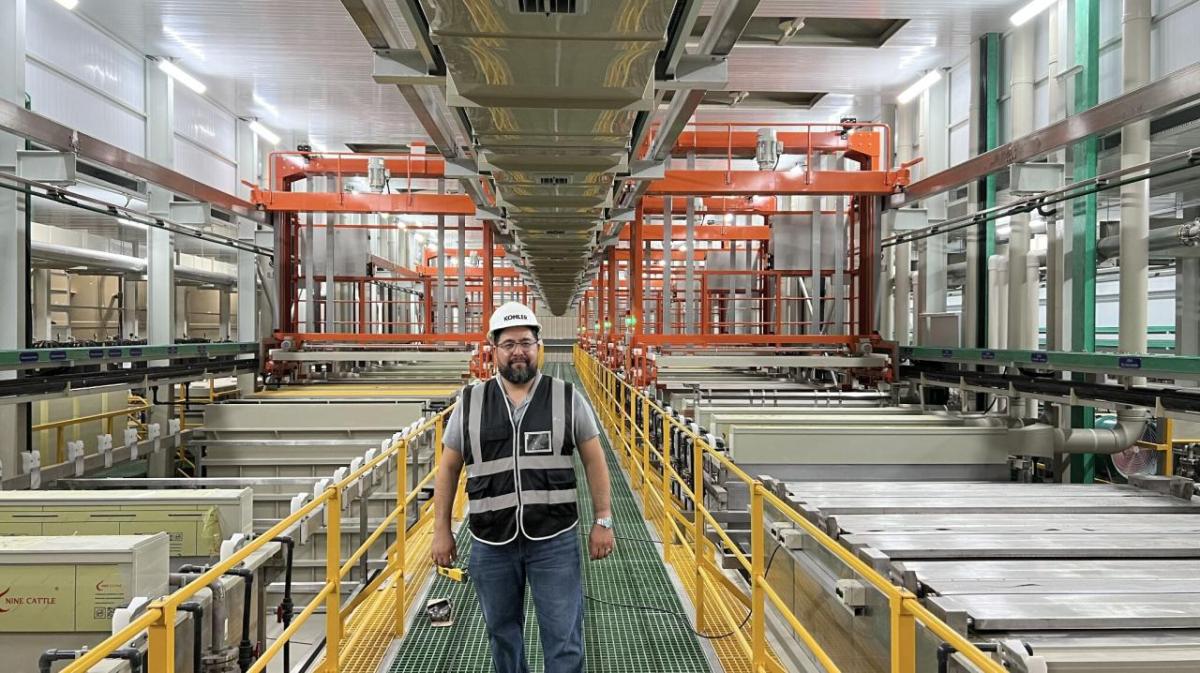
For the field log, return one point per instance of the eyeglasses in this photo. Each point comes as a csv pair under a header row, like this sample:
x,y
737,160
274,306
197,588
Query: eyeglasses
x,y
510,346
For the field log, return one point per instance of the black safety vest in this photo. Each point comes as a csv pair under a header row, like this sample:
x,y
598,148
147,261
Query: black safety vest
x,y
520,477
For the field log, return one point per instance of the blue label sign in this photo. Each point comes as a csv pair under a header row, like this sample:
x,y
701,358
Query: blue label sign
x,y
1130,363
988,355
58,355
947,353
135,352
95,353
28,356
114,352
1040,358
171,350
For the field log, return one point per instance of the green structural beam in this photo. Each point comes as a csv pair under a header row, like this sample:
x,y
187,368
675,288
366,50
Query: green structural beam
x,y
1084,215
1154,366
38,357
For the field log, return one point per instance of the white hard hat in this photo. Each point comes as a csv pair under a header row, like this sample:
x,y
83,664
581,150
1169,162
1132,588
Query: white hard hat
x,y
512,314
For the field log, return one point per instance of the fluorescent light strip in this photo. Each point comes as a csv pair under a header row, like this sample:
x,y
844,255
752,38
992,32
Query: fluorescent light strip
x,y
264,132
69,4
176,73
919,87
1029,11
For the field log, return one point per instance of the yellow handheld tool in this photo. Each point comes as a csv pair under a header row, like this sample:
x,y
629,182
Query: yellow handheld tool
x,y
455,574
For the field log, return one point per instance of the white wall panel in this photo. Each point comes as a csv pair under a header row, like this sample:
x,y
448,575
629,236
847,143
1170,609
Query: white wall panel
x,y
68,103
201,121
1110,72
1041,104
204,166
960,147
1174,41
62,39
1110,20
960,94
1041,45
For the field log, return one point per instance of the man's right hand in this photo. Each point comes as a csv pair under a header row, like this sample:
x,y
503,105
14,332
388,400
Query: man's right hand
x,y
444,551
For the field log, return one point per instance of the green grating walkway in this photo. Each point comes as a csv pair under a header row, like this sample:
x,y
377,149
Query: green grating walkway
x,y
616,639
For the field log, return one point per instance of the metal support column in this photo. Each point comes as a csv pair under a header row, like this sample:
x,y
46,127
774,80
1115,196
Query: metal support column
x,y
489,275
1187,309
689,261
439,293
636,271
461,295
223,298
665,297
1022,115
247,264
1135,198
1084,215
160,253
41,304
14,271
129,307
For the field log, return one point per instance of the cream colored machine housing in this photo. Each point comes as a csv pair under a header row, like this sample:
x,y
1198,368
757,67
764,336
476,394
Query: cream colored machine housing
x,y
61,591
196,520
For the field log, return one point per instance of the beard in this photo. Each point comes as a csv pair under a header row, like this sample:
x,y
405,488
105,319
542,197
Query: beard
x,y
519,371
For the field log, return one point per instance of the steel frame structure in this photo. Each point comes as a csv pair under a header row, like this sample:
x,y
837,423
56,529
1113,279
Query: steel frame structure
x,y
622,331
374,301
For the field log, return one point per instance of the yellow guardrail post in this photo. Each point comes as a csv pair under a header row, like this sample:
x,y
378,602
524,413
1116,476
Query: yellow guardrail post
x,y
698,526
160,645
399,559
621,419
645,457
333,556
903,635
665,484
758,633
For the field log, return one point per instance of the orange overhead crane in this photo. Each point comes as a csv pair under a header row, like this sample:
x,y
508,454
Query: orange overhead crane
x,y
638,302
388,304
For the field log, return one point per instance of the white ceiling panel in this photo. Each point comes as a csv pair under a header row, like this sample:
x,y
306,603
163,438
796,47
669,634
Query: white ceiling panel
x,y
301,66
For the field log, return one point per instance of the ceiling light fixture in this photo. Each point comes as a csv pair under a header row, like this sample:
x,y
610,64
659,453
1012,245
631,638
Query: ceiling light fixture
x,y
179,75
69,4
1029,11
932,77
264,132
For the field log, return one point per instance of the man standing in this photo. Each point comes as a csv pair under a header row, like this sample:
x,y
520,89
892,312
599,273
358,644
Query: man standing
x,y
517,433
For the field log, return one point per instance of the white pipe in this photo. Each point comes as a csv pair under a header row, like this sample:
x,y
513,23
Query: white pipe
x,y
1135,198
1033,268
997,301
1054,281
1042,439
903,276
1022,112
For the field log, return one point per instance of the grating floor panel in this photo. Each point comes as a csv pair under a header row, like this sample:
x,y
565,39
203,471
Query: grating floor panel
x,y
616,639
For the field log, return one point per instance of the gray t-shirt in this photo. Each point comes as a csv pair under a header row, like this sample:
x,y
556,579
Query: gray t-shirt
x,y
584,424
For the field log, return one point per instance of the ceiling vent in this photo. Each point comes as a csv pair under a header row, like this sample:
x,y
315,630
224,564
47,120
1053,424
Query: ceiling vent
x,y
551,180
548,6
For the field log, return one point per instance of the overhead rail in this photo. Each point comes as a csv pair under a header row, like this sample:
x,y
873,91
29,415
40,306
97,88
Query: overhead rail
x,y
671,481
17,120
401,576
34,358
54,193
1176,162
1174,90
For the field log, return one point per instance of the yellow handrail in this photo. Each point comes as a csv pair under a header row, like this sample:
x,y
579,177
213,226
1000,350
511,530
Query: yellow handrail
x,y
61,426
159,619
616,398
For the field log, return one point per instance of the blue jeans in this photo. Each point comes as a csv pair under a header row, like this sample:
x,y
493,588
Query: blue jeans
x,y
552,568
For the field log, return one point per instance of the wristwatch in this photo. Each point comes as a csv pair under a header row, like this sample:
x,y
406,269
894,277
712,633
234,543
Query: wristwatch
x,y
604,522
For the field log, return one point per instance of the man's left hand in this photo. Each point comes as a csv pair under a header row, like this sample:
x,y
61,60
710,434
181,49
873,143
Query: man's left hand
x,y
601,542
